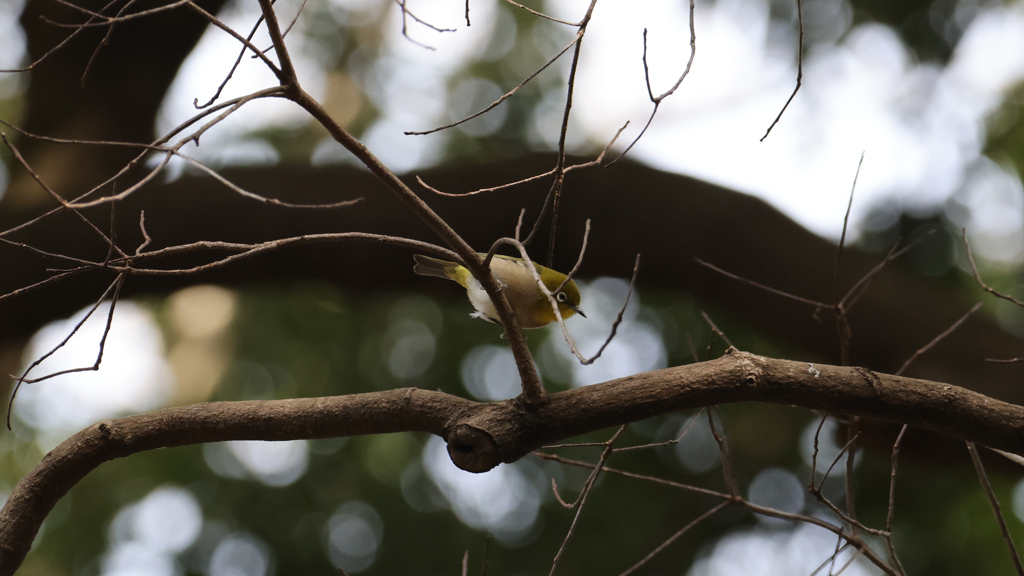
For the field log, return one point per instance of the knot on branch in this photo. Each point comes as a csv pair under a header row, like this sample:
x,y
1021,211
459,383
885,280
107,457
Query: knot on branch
x,y
107,435
472,449
746,362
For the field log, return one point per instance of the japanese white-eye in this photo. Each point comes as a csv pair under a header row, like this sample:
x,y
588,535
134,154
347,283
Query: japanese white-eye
x,y
531,307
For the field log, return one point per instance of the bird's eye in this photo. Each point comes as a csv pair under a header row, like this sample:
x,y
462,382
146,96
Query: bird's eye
x,y
560,297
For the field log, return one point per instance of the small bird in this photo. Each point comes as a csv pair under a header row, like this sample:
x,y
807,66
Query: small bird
x,y
529,304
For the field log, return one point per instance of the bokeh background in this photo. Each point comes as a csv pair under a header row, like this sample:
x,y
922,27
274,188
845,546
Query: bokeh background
x,y
929,92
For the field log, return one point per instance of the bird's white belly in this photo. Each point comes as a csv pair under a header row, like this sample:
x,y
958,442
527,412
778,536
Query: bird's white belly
x,y
478,297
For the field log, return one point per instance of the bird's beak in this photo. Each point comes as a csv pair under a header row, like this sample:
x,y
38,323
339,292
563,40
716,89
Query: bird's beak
x,y
578,310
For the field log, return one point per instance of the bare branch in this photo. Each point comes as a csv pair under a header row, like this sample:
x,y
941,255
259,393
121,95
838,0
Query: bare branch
x,y
483,190
57,197
675,440
245,42
977,276
145,235
725,456
108,20
714,328
595,162
77,30
675,537
501,99
799,69
892,501
842,237
405,32
291,24
587,487
782,293
938,338
114,288
657,100
859,288
260,198
983,478
234,67
542,15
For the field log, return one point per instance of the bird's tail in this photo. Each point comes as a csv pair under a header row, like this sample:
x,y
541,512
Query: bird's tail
x,y
427,266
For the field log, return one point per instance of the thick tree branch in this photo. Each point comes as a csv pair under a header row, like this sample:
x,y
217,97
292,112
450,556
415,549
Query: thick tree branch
x,y
482,435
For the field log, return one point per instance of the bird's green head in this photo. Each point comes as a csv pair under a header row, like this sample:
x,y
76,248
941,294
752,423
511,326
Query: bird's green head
x,y
569,298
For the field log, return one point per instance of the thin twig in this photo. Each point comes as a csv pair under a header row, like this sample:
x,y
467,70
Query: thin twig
x,y
799,68
843,332
775,291
725,456
814,452
832,558
145,235
114,287
860,288
842,237
260,198
675,440
35,285
278,72
80,202
589,164
405,31
835,460
249,250
850,562
288,29
542,15
234,67
559,181
656,100
675,537
715,329
892,500
53,194
579,260
105,20
625,474
852,432
938,338
983,479
814,521
500,99
977,276
586,492
483,190
104,41
77,29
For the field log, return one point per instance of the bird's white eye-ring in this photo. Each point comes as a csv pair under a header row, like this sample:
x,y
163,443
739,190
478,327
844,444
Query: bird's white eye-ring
x,y
561,297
